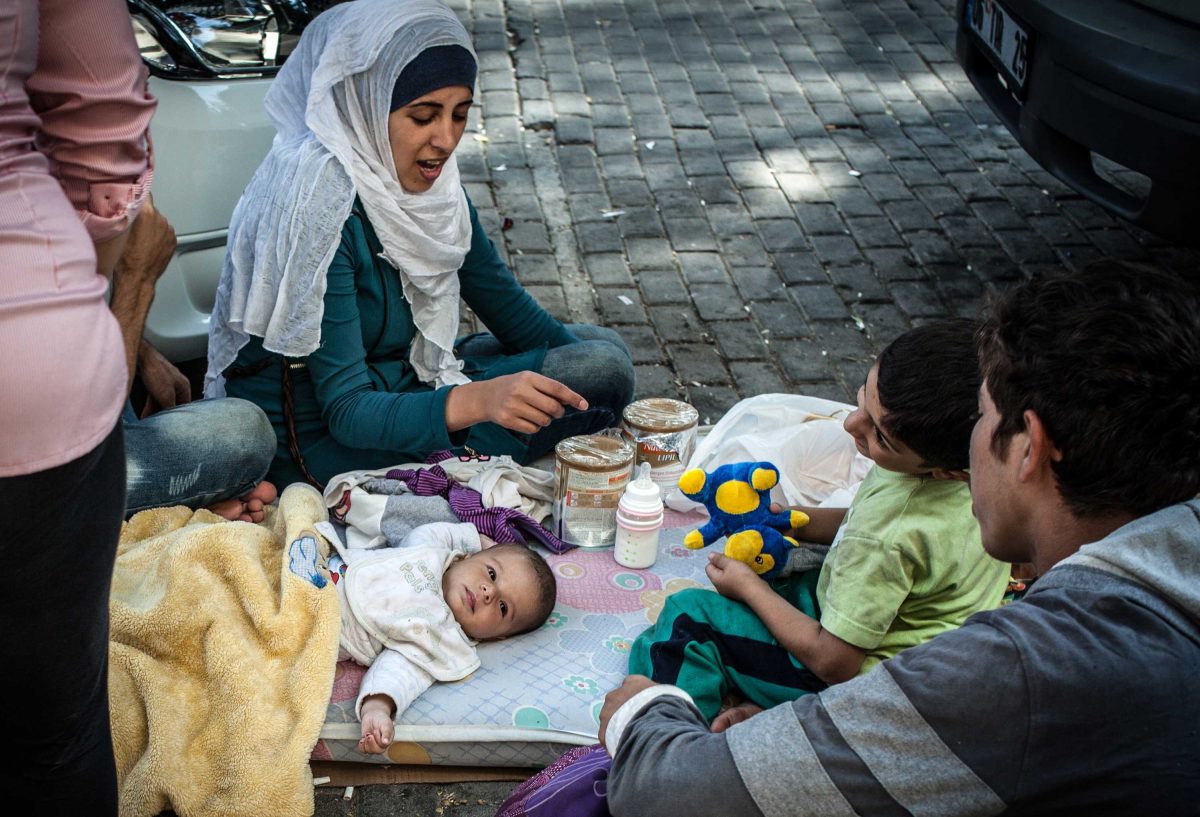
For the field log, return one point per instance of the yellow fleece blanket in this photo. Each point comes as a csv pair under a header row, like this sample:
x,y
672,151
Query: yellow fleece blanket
x,y
223,646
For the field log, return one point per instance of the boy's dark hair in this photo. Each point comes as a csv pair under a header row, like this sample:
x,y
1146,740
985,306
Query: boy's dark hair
x,y
1109,360
547,584
928,383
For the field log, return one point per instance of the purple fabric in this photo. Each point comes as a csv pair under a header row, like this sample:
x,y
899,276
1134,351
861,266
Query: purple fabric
x,y
502,524
575,785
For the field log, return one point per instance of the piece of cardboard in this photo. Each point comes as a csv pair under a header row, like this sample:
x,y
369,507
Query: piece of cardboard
x,y
343,773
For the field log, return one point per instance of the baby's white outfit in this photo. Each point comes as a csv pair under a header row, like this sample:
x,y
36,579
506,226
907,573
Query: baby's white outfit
x,y
395,620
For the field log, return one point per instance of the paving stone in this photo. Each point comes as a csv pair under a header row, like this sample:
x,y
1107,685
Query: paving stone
x,y
698,363
836,250
740,340
662,286
715,189
675,323
630,193
711,402
717,302
819,301
803,361
621,166
755,284
767,203
729,220
608,269
649,253
536,269
528,236
759,377
843,341
858,284
690,234
639,222
781,235
803,188
800,268
916,299
743,251
821,219
653,381
781,319
599,237
552,298
702,268
676,204
643,344
620,305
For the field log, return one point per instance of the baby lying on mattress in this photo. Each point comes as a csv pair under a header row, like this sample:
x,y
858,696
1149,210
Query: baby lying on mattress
x,y
413,613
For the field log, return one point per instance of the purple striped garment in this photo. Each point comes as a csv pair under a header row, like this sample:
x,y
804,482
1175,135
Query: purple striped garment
x,y
502,524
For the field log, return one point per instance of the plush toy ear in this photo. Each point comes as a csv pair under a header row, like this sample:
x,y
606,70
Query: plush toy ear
x,y
692,482
764,479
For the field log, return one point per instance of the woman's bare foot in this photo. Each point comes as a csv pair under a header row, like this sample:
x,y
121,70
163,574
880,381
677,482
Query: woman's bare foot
x,y
249,507
734,714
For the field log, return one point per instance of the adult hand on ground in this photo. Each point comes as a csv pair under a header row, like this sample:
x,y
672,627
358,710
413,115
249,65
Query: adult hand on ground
x,y
523,402
377,729
733,579
632,685
166,387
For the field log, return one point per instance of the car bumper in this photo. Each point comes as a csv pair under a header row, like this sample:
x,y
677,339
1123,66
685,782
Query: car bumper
x,y
1113,78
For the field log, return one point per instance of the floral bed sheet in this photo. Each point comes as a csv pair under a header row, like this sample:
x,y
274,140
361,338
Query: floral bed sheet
x,y
537,695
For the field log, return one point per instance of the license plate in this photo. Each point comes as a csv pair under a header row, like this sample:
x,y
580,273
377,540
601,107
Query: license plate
x,y
1005,41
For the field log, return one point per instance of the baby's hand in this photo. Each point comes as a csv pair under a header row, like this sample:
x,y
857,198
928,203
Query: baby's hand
x,y
733,579
377,728
485,541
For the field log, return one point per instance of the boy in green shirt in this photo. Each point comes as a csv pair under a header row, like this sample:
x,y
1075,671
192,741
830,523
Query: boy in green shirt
x,y
905,563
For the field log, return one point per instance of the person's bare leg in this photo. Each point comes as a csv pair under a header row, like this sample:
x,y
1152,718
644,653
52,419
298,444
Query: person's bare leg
x,y
249,507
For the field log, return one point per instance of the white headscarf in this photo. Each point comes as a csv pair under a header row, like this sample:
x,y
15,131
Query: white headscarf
x,y
330,105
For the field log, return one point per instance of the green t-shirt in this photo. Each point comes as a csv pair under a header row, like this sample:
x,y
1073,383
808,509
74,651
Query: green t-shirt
x,y
906,565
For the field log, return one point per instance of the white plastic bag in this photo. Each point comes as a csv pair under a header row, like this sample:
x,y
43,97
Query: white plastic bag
x,y
803,436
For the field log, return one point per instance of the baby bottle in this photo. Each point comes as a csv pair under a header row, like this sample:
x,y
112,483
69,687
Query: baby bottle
x,y
639,518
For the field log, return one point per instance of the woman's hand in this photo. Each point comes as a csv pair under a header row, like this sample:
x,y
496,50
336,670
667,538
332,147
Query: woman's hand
x,y
523,402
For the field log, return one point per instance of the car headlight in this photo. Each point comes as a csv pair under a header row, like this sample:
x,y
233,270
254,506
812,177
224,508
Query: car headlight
x,y
225,38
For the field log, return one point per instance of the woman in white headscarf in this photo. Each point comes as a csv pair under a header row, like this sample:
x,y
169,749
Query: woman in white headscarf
x,y
349,254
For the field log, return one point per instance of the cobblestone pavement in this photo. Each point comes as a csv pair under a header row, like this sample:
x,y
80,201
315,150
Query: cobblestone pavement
x,y
759,194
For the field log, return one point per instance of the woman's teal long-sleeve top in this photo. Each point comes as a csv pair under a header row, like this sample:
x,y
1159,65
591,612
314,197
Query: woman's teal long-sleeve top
x,y
358,402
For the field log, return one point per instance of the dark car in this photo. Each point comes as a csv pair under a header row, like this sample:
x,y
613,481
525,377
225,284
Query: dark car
x,y
1090,87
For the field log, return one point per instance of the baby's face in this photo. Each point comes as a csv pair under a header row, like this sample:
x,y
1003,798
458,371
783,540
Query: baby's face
x,y
492,593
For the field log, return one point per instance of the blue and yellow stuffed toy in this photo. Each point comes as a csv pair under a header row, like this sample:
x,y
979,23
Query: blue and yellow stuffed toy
x,y
738,499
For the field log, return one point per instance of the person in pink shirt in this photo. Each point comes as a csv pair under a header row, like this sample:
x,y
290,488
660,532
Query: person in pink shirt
x,y
74,171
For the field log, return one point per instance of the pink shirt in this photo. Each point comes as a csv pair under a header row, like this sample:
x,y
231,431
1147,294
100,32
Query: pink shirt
x,y
74,169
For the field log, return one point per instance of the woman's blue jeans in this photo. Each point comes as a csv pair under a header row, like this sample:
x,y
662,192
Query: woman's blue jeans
x,y
599,368
195,454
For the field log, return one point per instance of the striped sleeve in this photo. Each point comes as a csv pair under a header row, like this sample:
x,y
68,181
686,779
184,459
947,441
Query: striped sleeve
x,y
868,746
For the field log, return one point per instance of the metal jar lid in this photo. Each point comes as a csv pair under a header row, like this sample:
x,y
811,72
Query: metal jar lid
x,y
660,414
594,452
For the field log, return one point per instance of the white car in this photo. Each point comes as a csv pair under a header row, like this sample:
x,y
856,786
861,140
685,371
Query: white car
x,y
210,64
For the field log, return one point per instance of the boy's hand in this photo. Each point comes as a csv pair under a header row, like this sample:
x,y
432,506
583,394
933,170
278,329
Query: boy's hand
x,y
733,579
377,729
485,541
